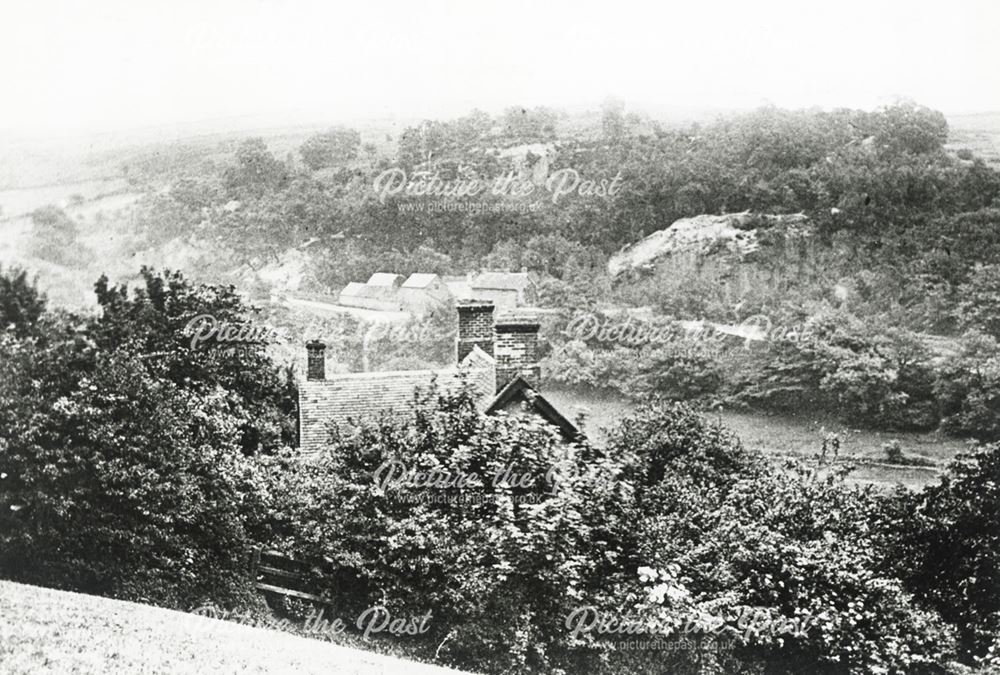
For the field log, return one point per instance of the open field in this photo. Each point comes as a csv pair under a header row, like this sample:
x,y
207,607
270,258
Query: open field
x,y
21,201
787,436
978,132
48,631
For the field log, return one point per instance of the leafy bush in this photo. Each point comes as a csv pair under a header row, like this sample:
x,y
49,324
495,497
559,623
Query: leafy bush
x,y
575,364
681,371
945,544
124,485
125,464
492,560
719,535
795,549
56,238
980,297
672,439
331,147
21,303
781,375
152,321
716,534
893,452
969,389
882,378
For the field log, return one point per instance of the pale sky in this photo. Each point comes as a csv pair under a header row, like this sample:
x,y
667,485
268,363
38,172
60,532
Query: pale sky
x,y
106,65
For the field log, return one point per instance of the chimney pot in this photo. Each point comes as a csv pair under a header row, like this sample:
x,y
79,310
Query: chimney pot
x,y
516,350
475,326
316,360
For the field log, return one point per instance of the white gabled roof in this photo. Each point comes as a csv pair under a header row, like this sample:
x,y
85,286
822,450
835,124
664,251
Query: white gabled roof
x,y
419,280
387,279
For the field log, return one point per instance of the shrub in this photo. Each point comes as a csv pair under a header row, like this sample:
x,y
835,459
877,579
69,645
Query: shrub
x,y
330,148
124,452
968,387
719,535
781,376
881,378
152,321
575,364
680,371
124,486
945,544
978,307
491,567
672,439
715,533
893,451
21,303
794,548
55,238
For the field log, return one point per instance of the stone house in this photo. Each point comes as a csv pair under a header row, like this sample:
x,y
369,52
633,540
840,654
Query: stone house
x,y
496,359
385,280
423,294
507,290
420,294
368,296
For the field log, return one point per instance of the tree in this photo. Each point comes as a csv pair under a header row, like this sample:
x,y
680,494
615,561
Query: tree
x,y
968,388
722,532
123,484
21,303
152,322
613,120
256,170
529,126
907,127
979,304
945,543
55,237
330,148
125,449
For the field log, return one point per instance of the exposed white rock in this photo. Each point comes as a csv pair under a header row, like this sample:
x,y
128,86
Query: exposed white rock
x,y
699,234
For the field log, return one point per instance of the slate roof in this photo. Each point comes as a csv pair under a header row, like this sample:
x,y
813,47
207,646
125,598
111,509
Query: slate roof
x,y
355,396
507,281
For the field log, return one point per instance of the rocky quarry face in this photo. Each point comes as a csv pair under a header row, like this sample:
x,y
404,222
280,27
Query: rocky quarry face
x,y
736,231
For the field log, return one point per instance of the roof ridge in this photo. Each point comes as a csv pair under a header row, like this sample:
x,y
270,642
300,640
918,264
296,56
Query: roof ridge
x,y
376,374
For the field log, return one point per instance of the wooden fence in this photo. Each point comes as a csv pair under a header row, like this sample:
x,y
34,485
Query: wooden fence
x,y
277,574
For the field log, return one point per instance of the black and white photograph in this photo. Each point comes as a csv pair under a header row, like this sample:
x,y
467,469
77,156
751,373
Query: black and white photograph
x,y
499,337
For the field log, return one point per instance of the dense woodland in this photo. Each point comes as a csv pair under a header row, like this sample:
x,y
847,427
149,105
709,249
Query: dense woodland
x,y
902,245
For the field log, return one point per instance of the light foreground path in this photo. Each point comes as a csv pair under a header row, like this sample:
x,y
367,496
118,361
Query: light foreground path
x,y
48,631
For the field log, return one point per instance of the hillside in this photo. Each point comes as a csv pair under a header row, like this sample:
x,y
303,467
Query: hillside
x,y
61,632
978,133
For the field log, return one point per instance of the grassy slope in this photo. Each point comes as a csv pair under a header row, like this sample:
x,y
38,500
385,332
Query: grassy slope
x,y
48,631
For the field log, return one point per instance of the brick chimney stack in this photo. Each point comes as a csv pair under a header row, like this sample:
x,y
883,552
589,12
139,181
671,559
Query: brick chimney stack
x,y
516,350
475,326
316,361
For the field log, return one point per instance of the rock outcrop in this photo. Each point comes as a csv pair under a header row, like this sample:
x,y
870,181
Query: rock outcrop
x,y
736,231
